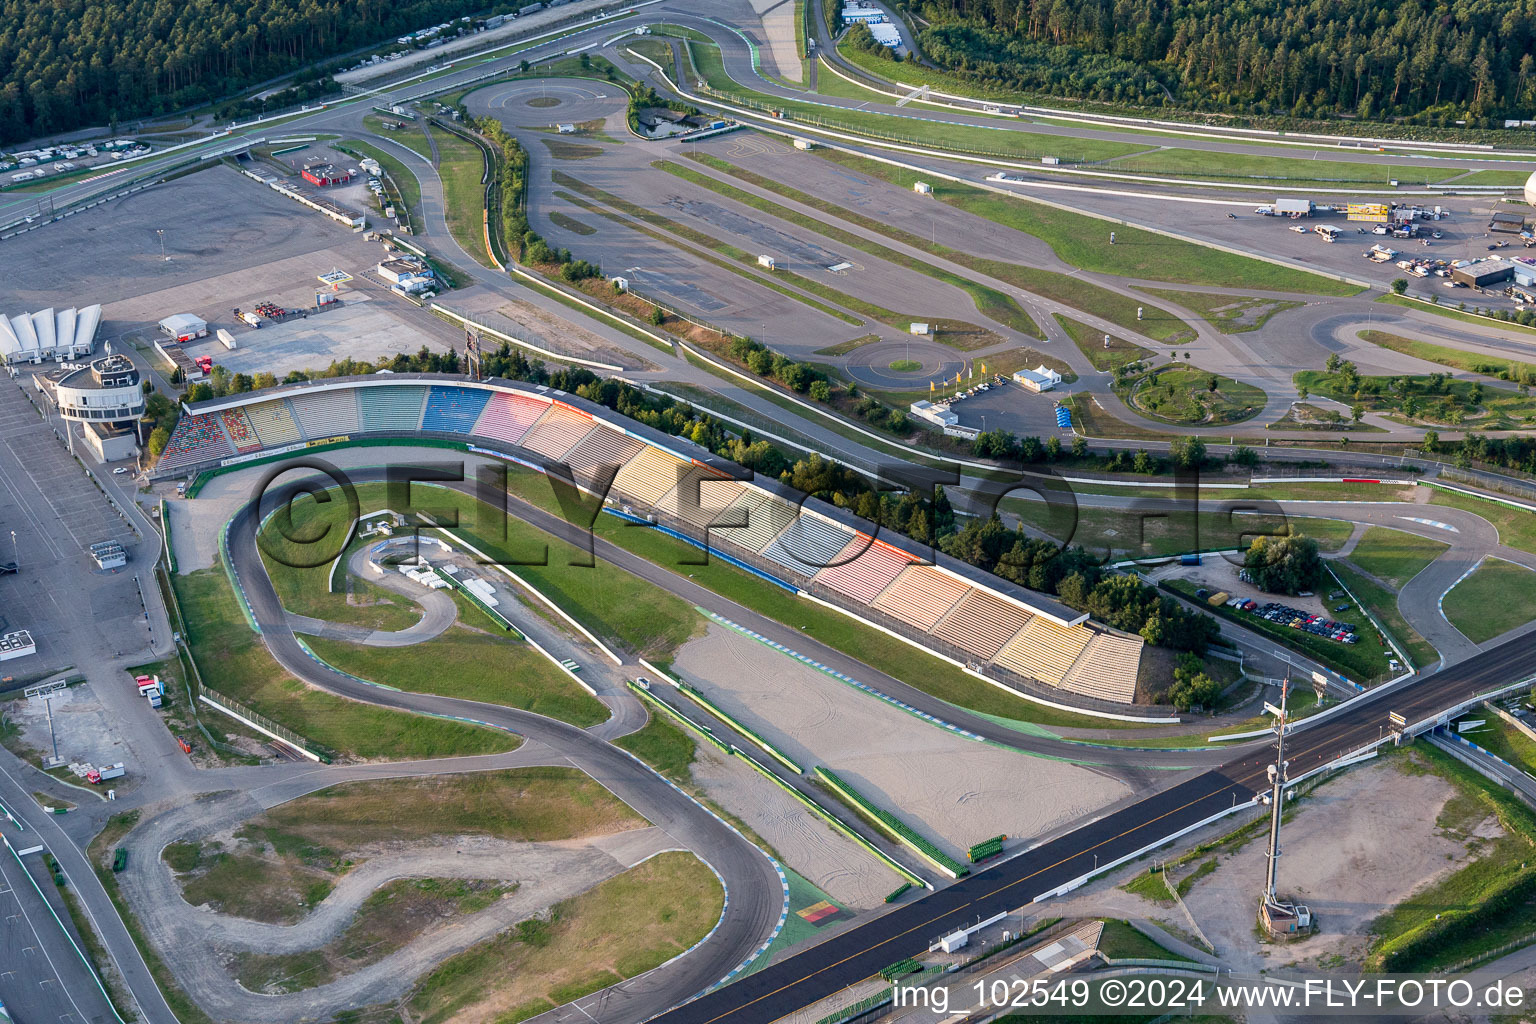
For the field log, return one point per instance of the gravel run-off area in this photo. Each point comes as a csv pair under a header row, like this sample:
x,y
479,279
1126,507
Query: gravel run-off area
x,y
954,790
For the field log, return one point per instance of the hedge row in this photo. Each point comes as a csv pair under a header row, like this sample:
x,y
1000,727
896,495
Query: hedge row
x,y
715,709
898,829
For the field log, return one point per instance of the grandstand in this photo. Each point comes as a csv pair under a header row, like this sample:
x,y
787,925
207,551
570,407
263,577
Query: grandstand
x,y
1013,637
240,431
393,407
557,432
863,568
453,410
326,413
274,423
921,595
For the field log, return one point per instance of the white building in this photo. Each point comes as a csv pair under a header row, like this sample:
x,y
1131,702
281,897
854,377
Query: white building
x,y
919,328
938,415
862,15
1041,378
184,327
48,335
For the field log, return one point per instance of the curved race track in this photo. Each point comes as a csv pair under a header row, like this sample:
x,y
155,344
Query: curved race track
x,y
754,891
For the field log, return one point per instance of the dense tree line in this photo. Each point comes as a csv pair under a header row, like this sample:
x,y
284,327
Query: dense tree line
x,y
69,63
1438,60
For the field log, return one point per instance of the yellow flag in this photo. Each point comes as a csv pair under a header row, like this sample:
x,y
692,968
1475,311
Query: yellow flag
x,y
983,369
932,387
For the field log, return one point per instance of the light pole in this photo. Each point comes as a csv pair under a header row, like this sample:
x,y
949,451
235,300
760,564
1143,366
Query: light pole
x,y
160,232
15,550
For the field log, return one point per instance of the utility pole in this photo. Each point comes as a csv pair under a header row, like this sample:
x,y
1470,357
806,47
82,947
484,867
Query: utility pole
x,y
1276,795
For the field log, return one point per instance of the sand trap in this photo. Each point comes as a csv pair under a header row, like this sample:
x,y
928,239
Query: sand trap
x,y
1359,845
956,791
832,862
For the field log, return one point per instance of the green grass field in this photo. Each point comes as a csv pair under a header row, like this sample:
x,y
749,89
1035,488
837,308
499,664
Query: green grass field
x,y
1505,741
1455,314
1091,342
234,662
1516,526
1496,598
461,166
316,529
1270,167
473,665
1122,942
616,930
1229,314
1455,358
1183,395
1083,241
1395,557
1460,403
411,137
1383,604
664,746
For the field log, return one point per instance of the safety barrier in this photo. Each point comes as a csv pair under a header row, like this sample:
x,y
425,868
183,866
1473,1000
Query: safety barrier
x,y
165,531
708,705
898,829
986,848
654,701
898,892
256,720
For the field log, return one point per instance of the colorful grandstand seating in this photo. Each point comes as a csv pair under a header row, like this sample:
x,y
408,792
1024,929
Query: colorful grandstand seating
x,y
1044,650
327,413
453,410
508,417
921,595
809,543
648,476
863,568
1107,668
602,447
753,519
699,497
981,624
274,423
198,438
391,407
239,430
557,432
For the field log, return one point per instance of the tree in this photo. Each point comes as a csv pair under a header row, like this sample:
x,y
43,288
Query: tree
x,y
1357,412
1399,285
821,391
1243,455
1331,364
1192,686
1285,564
1144,463
158,438
1187,452
658,316
1079,446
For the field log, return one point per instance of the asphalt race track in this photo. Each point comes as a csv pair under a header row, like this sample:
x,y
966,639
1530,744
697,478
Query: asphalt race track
x,y
854,955
755,892
862,951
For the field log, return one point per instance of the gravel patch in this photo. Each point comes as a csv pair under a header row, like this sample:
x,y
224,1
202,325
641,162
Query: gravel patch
x,y
956,791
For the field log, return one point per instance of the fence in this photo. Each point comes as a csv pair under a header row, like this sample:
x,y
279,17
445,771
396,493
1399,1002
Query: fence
x,y
257,720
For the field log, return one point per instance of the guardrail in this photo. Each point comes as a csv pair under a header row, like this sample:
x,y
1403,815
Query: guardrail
x,y
261,723
898,829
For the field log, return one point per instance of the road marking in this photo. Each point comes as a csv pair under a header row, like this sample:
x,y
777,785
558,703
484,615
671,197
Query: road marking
x,y
1430,522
